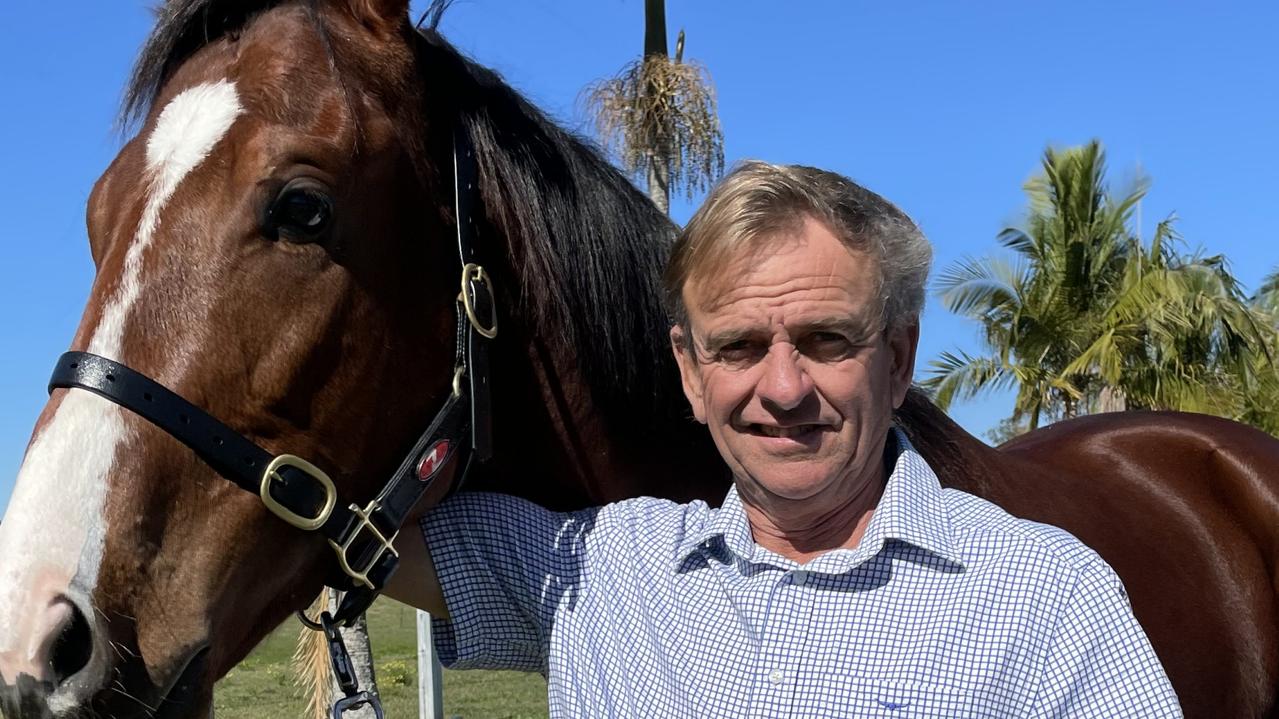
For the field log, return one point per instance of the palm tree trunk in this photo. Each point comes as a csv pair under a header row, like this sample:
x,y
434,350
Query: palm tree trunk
x,y
659,186
356,638
655,28
1111,399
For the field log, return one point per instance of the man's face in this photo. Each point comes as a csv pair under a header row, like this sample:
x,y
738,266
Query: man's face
x,y
791,368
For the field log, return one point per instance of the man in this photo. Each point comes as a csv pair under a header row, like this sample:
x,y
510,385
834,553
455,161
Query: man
x,y
838,578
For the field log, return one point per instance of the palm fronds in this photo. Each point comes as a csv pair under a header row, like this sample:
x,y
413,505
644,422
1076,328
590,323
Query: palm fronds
x,y
1087,316
661,110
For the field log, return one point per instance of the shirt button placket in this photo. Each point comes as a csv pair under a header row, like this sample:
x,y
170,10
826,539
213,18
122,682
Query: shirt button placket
x,y
783,646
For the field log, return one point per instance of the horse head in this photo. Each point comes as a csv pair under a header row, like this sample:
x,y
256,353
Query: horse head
x,y
263,248
278,246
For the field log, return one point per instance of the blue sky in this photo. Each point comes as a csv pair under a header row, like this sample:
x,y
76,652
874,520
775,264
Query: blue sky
x,y
943,107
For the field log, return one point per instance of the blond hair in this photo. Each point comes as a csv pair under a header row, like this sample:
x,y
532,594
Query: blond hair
x,y
757,201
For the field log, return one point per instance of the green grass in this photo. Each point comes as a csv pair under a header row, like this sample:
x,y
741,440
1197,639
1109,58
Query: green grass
x,y
263,685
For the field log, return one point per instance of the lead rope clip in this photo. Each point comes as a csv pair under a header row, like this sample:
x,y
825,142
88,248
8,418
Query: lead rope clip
x,y
343,670
356,701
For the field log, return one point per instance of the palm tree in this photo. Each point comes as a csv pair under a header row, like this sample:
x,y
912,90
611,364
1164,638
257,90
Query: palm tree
x,y
1178,334
1261,400
658,114
1267,297
1086,317
1032,308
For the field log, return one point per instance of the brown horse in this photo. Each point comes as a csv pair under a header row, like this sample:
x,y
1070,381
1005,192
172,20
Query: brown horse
x,y
277,245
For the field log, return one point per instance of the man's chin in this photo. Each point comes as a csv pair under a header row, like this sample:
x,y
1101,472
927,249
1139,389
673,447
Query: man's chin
x,y
799,484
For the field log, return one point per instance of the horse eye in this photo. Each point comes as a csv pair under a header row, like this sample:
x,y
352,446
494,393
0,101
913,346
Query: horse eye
x,y
299,214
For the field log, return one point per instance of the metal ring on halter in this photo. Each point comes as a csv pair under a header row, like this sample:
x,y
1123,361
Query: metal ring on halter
x,y
472,272
458,374
308,622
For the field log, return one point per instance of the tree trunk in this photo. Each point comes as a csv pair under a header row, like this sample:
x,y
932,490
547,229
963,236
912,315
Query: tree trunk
x,y
659,184
1112,399
357,645
655,28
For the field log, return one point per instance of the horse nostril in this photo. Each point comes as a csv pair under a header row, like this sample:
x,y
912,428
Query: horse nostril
x,y
73,647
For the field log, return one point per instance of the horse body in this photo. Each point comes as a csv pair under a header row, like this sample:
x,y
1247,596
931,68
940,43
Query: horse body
x,y
277,246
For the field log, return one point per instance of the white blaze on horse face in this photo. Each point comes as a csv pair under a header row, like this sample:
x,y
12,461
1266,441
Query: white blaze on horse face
x,y
187,131
52,536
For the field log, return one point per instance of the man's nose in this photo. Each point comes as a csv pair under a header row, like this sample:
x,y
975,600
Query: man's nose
x,y
785,382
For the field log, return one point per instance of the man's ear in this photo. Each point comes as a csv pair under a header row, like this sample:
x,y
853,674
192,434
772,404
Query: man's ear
x,y
902,343
690,372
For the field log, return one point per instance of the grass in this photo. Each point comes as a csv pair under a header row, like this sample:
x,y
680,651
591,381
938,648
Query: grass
x,y
263,685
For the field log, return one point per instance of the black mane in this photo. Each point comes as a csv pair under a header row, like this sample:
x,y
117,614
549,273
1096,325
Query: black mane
x,y
591,247
181,28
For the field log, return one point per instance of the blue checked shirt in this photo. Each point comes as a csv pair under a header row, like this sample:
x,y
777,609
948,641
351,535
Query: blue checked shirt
x,y
949,607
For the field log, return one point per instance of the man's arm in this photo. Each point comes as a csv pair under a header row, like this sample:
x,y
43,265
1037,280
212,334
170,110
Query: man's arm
x,y
1101,664
493,571
415,582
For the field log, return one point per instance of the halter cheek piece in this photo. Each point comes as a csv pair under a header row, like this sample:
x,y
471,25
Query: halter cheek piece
x,y
301,493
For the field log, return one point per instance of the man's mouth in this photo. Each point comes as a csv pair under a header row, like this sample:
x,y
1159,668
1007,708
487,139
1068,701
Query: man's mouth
x,y
794,431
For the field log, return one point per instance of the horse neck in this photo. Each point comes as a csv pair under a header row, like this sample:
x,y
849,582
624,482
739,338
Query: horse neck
x,y
960,460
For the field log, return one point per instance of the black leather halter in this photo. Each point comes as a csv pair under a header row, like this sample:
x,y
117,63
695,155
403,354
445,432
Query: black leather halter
x,y
301,493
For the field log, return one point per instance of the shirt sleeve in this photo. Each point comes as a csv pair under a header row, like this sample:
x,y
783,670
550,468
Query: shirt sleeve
x,y
1100,663
504,564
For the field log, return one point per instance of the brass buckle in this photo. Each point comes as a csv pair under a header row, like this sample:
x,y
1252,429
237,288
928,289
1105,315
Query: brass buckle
x,y
271,473
473,272
361,574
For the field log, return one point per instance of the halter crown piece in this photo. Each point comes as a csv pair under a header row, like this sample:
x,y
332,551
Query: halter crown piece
x,y
301,493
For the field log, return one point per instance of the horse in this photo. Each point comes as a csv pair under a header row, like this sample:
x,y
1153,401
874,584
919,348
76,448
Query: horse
x,y
278,246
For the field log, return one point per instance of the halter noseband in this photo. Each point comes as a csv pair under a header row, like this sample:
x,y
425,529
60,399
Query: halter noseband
x,y
301,493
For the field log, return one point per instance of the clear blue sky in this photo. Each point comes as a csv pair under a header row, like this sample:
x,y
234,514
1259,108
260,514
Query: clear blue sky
x,y
940,106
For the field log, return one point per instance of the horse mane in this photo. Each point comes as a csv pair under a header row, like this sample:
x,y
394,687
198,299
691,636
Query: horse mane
x,y
182,27
587,246
959,459
590,247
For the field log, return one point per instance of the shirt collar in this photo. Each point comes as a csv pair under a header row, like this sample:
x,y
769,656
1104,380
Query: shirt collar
x,y
912,510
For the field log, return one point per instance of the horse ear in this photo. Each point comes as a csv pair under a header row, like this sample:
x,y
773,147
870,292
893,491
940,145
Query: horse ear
x,y
385,14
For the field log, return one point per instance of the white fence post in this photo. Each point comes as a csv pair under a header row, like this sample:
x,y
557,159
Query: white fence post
x,y
430,676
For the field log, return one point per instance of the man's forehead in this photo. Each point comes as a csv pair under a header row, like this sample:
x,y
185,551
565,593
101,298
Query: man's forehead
x,y
808,243
818,290
723,329
724,312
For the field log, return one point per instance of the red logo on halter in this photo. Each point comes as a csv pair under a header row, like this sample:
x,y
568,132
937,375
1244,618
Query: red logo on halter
x,y
433,460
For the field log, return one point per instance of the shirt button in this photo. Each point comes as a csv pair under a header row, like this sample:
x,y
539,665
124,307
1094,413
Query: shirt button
x,y
776,676
798,577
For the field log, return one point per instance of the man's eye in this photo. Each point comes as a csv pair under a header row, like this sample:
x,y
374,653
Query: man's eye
x,y
738,352
826,346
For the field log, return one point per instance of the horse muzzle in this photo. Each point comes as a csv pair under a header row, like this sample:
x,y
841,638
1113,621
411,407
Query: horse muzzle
x,y
67,664
57,659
